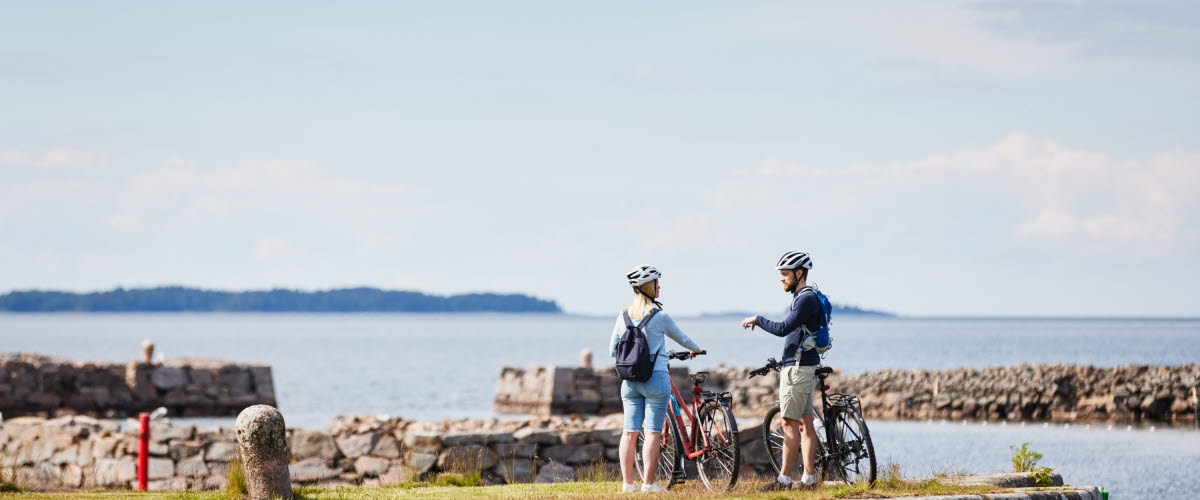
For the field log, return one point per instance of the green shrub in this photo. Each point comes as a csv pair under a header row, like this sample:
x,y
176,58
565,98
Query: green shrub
x,y
1023,458
1026,460
1041,476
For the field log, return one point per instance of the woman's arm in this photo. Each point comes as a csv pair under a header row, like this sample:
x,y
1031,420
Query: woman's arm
x,y
672,330
618,329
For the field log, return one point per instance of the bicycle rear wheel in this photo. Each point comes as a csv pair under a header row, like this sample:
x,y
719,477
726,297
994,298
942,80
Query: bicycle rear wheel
x,y
852,458
669,457
718,466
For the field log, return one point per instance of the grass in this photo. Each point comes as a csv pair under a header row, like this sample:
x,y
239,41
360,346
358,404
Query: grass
x,y
235,478
893,486
8,479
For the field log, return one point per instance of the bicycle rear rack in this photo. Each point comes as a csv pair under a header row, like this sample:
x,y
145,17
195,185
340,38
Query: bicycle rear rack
x,y
845,400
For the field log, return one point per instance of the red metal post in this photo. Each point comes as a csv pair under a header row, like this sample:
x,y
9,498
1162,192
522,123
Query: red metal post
x,y
143,450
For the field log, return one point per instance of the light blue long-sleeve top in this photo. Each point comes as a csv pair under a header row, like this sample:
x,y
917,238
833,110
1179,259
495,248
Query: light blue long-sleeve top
x,y
659,327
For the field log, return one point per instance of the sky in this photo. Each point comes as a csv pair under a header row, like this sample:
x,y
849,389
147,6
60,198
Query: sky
x,y
935,158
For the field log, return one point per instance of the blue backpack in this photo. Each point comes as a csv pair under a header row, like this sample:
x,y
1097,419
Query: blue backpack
x,y
633,351
820,339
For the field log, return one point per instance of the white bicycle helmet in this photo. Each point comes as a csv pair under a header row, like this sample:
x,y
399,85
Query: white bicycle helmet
x,y
642,275
794,260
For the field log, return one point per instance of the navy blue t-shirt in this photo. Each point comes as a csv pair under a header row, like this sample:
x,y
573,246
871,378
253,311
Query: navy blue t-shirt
x,y
806,310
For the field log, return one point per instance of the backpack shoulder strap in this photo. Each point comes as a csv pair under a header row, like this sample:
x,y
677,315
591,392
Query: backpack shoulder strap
x,y
645,319
628,320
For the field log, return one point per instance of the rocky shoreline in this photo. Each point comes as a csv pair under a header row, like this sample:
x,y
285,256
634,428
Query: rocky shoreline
x,y
1051,393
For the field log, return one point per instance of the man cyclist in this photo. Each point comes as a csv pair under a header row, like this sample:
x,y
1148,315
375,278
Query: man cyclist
x,y
797,380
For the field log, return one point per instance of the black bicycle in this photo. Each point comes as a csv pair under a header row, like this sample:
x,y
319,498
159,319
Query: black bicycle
x,y
844,449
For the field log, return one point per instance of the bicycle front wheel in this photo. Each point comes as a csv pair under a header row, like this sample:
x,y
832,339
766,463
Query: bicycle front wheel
x,y
718,466
852,458
772,429
669,457
773,436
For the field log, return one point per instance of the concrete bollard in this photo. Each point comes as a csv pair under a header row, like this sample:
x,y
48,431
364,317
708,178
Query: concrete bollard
x,y
262,440
147,351
585,358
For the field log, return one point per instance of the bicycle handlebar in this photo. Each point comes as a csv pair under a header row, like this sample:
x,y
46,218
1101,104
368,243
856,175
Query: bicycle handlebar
x,y
685,355
771,365
821,372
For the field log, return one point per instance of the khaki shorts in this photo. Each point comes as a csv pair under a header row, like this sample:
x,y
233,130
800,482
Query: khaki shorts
x,y
796,386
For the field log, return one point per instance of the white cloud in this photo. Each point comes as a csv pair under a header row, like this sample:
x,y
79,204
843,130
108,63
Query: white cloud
x,y
65,158
947,35
12,157
54,158
249,183
122,220
271,248
1049,195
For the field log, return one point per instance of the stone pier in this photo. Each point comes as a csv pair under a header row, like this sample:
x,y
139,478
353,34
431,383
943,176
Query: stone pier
x,y
47,386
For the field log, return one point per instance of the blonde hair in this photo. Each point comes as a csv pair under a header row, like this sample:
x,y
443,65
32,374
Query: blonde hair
x,y
642,302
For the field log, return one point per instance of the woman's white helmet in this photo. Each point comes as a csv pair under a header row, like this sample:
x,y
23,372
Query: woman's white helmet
x,y
642,275
794,260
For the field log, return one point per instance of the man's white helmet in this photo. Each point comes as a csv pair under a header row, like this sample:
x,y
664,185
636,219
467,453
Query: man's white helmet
x,y
794,260
642,275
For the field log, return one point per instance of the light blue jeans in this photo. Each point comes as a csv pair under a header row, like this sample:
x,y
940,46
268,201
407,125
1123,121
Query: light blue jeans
x,y
646,402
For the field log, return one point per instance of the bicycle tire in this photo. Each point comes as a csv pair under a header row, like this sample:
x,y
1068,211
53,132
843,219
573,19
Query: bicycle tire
x,y
773,439
852,458
718,467
669,455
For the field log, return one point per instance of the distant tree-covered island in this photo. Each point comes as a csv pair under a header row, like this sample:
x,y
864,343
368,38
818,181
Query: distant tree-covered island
x,y
184,299
838,310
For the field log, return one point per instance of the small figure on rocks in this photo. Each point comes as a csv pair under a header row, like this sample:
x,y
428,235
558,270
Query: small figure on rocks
x,y
147,351
262,440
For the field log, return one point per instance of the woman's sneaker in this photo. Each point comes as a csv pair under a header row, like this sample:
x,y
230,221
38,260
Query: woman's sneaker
x,y
652,488
629,488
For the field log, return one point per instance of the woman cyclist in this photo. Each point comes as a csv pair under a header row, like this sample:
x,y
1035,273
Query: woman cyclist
x,y
646,402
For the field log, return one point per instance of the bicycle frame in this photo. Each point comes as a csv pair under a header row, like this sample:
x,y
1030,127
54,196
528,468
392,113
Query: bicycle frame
x,y
688,435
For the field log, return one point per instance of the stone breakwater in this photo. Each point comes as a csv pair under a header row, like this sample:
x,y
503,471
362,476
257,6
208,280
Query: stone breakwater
x,y
1060,393
45,386
82,452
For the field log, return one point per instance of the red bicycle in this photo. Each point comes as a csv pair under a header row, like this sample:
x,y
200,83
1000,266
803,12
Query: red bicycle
x,y
708,436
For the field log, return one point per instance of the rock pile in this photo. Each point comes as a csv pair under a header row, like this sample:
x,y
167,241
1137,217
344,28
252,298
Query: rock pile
x,y
38,385
1061,393
562,390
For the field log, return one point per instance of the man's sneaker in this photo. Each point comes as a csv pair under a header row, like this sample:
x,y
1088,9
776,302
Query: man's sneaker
x,y
652,488
775,485
629,488
799,485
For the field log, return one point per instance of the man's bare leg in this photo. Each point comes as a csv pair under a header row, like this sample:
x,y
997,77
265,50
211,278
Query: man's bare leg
x,y
791,446
809,439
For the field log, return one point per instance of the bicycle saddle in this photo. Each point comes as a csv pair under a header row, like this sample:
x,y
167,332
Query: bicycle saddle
x,y
698,377
824,371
